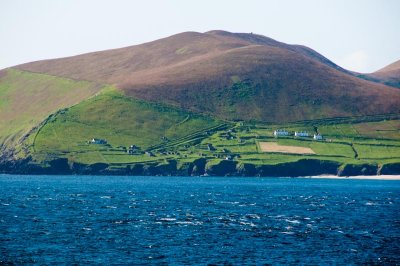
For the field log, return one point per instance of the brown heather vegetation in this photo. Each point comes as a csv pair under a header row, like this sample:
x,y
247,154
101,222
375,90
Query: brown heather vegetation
x,y
232,76
390,68
388,75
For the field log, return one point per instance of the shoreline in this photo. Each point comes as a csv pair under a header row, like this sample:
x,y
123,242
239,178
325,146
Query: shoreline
x,y
326,176
358,177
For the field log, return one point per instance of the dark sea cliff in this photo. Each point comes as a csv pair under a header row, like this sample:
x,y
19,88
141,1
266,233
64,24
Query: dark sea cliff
x,y
303,167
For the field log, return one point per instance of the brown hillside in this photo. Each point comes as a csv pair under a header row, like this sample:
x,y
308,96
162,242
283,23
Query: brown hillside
x,y
389,68
234,76
389,75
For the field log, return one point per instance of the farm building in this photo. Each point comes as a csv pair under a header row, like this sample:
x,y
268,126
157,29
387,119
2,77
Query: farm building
x,y
98,141
318,137
228,158
132,149
301,134
281,132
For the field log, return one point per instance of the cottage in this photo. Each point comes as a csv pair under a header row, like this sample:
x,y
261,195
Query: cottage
x,y
98,141
318,137
301,134
281,132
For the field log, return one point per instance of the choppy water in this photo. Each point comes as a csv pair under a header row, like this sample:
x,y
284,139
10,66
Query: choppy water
x,y
51,220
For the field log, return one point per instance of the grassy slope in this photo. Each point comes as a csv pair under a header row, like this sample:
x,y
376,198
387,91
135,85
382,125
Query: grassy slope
x,y
28,98
121,120
372,141
346,144
368,142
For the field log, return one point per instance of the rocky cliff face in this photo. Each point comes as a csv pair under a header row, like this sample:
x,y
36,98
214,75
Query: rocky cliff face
x,y
304,167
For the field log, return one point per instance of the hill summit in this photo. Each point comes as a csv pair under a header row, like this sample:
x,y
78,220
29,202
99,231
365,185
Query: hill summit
x,y
236,76
389,75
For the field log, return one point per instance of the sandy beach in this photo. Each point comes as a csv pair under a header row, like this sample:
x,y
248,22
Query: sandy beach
x,y
367,177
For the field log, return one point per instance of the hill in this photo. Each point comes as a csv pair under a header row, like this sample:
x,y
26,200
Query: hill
x,y
389,75
231,76
392,68
177,100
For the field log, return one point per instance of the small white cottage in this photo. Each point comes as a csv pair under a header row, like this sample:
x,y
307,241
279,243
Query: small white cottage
x,y
281,132
301,134
318,137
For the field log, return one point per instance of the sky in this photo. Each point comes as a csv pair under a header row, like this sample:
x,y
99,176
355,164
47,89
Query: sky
x,y
359,35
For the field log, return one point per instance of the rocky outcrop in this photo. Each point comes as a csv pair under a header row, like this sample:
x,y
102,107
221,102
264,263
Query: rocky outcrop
x,y
246,169
221,168
202,166
198,167
358,169
390,169
304,167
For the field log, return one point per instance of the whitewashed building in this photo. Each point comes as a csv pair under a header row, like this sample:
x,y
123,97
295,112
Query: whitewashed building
x,y
301,134
281,132
318,137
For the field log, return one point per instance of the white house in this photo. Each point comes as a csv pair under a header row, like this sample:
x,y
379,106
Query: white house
x,y
318,137
228,158
281,132
301,134
98,141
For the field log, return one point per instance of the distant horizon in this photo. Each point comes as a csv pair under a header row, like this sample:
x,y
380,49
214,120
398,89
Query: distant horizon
x,y
361,36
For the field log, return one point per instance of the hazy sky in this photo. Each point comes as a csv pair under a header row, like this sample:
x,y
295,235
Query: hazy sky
x,y
360,35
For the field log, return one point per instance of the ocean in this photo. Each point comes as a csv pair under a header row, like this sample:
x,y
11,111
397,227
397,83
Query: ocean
x,y
112,220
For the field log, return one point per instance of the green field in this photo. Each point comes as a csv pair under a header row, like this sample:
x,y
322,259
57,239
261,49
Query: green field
x,y
26,99
121,121
173,134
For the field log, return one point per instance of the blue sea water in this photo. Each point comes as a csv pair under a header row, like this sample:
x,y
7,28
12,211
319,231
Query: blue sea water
x,y
51,220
